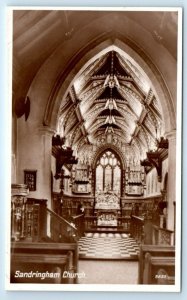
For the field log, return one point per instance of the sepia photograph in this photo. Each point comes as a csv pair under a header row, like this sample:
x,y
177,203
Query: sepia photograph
x,y
96,149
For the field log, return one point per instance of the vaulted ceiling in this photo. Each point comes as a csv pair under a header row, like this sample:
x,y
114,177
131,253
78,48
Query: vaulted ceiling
x,y
111,102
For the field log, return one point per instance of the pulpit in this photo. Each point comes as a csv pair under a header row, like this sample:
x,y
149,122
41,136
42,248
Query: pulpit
x,y
19,194
28,215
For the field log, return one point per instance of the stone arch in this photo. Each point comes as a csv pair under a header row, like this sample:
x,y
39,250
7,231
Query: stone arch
x,y
119,154
104,148
86,55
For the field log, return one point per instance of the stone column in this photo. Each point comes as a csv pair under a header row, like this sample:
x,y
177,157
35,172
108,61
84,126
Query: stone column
x,y
46,134
34,149
123,181
171,180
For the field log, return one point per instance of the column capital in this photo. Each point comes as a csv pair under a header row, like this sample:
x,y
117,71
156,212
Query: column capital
x,y
171,135
46,130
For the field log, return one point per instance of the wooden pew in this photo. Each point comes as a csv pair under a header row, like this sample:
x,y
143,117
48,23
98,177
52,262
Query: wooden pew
x,y
154,250
31,261
26,263
159,270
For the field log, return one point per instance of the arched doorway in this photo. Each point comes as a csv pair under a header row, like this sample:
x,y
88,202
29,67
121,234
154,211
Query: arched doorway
x,y
108,173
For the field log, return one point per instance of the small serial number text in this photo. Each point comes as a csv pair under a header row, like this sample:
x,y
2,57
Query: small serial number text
x,y
163,276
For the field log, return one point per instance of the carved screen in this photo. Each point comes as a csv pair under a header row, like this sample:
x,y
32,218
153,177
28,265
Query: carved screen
x,y
108,173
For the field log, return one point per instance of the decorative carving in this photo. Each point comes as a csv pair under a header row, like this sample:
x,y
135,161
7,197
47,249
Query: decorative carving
x,y
156,108
134,180
18,207
107,201
147,165
162,143
110,90
106,218
22,107
63,155
154,158
57,140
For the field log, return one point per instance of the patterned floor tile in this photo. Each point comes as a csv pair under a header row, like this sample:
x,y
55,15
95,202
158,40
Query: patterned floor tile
x,y
108,246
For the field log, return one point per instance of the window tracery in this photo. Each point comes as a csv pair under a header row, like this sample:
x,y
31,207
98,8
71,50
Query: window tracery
x,y
108,173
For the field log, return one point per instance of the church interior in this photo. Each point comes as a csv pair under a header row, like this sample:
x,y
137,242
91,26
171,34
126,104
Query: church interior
x,y
94,123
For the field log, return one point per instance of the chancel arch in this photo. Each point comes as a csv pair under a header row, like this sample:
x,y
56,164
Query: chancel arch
x,y
96,142
157,82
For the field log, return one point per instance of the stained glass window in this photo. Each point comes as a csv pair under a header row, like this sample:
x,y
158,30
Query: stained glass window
x,y
108,173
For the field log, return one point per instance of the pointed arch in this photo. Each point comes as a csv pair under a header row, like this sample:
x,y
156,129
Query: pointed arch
x,y
89,54
111,148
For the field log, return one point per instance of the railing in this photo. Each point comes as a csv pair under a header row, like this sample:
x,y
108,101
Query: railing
x,y
61,230
143,205
125,223
162,236
137,228
79,223
90,222
71,203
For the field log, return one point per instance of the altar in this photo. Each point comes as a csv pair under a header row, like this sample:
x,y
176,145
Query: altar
x,y
107,218
107,208
107,201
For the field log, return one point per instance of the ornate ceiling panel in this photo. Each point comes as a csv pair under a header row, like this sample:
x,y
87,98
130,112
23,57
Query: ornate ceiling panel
x,y
111,102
